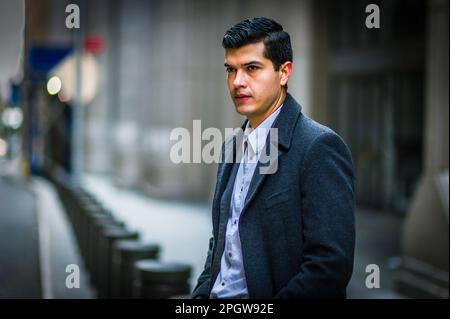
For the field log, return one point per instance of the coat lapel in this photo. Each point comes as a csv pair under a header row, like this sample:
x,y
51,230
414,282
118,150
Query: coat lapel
x,y
285,123
229,157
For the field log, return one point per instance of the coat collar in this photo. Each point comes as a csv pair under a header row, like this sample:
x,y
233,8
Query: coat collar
x,y
287,120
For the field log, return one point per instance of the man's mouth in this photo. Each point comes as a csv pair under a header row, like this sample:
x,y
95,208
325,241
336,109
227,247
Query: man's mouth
x,y
242,97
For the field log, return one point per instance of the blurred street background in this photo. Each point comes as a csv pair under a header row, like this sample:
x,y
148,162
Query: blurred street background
x,y
86,115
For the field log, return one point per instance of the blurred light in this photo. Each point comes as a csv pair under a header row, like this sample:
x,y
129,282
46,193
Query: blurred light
x,y
66,71
12,117
54,85
3,147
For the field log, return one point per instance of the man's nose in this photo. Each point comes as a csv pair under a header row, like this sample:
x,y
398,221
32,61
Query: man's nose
x,y
239,80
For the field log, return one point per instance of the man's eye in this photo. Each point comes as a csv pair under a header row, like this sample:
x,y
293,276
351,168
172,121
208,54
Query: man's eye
x,y
252,68
229,70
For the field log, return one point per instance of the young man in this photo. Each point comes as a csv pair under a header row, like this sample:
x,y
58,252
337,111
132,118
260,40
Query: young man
x,y
288,234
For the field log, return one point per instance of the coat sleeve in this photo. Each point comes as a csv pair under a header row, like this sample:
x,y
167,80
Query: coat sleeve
x,y
327,191
201,290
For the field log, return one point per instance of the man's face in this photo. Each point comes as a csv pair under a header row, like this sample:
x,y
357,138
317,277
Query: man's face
x,y
255,86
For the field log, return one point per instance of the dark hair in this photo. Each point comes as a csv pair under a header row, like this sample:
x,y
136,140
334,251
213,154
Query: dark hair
x,y
277,43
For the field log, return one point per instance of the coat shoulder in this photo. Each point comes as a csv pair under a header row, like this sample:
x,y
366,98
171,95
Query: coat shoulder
x,y
314,139
307,131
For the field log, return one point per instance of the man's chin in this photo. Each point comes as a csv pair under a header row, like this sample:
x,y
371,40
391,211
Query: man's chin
x,y
244,109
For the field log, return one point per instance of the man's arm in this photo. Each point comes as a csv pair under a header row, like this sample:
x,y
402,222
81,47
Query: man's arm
x,y
328,221
202,288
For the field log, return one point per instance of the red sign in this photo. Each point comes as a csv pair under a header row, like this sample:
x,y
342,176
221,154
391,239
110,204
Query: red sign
x,y
93,44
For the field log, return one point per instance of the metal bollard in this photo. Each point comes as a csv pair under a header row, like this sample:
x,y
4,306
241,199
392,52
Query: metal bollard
x,y
162,280
92,218
79,205
125,254
95,231
106,242
86,210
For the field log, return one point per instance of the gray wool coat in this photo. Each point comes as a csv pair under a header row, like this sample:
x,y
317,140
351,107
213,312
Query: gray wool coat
x,y
297,226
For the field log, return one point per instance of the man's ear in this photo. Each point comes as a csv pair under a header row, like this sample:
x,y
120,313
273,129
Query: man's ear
x,y
285,72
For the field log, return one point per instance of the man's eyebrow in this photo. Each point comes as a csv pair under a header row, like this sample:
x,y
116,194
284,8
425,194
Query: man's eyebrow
x,y
245,64
252,62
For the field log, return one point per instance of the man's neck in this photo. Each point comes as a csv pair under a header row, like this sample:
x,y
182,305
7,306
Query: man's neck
x,y
255,121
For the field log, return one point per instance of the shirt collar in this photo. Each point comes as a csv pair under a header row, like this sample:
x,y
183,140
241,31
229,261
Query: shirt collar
x,y
257,137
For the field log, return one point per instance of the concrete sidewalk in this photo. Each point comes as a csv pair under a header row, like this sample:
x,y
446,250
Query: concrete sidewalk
x,y
377,243
58,246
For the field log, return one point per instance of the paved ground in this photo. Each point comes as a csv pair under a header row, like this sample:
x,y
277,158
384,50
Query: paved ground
x,y
19,250
377,242
58,248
